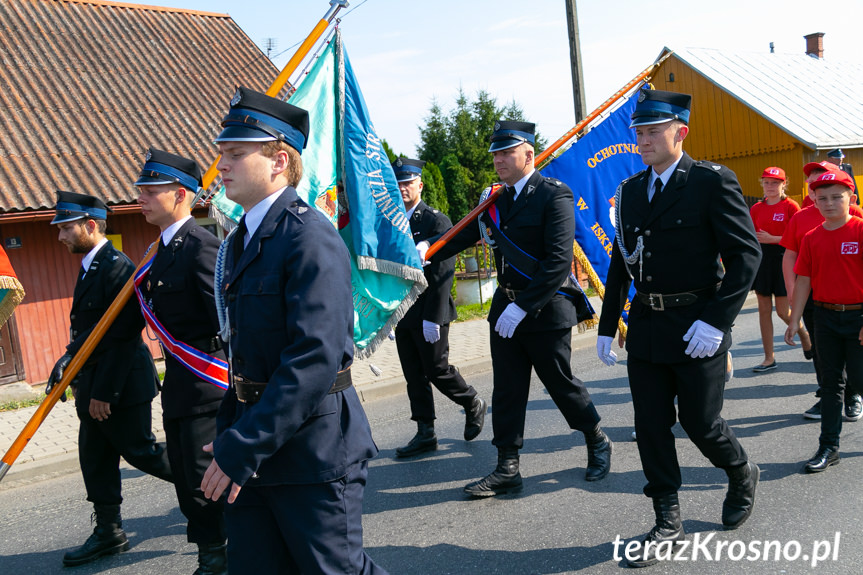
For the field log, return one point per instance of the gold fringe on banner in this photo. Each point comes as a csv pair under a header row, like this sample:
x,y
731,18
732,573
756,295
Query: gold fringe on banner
x,y
10,300
596,284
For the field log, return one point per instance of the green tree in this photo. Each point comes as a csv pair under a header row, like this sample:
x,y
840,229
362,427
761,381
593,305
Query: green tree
x,y
458,142
390,154
434,189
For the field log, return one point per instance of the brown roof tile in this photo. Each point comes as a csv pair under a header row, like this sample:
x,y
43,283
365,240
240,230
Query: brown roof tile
x,y
88,86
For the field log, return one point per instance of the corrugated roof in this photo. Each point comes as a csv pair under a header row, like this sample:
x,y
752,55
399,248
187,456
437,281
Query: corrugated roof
x,y
88,86
817,101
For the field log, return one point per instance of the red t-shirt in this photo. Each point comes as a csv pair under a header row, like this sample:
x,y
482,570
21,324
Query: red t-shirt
x,y
805,221
833,260
773,219
807,201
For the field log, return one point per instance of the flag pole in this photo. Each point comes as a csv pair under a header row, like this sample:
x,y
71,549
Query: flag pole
x,y
538,161
120,301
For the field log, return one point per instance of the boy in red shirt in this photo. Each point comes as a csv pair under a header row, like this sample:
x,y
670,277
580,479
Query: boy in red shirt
x,y
830,263
802,223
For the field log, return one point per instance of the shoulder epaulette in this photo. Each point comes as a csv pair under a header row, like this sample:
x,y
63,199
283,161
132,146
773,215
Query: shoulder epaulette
x,y
716,168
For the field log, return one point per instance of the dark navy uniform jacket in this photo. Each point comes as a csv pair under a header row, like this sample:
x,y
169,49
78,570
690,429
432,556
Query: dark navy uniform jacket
x,y
179,290
435,304
699,225
542,223
291,314
120,370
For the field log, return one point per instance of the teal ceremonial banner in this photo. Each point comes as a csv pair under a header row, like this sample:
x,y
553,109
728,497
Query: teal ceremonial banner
x,y
348,177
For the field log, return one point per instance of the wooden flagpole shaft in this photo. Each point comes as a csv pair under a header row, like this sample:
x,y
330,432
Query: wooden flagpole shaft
x,y
540,159
120,301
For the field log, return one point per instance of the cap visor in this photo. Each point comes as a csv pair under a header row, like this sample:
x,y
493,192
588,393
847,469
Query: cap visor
x,y
504,144
151,181
648,121
64,219
243,134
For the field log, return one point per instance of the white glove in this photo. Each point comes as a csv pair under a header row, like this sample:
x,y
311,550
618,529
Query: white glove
x,y
603,350
422,248
703,338
509,320
431,331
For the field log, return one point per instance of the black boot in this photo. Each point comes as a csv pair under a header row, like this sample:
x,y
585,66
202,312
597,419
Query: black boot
x,y
108,537
212,559
424,440
740,498
504,479
599,448
474,418
660,541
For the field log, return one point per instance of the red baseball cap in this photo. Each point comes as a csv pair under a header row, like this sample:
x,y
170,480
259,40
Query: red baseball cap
x,y
825,165
774,173
831,178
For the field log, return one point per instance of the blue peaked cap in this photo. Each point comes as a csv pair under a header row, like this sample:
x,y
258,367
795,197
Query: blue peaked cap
x,y
658,107
71,206
162,167
256,117
407,169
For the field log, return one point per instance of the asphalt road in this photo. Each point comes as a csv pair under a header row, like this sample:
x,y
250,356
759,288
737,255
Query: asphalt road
x,y
417,520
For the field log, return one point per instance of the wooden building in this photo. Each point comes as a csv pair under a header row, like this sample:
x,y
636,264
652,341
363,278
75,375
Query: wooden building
x,y
88,86
754,110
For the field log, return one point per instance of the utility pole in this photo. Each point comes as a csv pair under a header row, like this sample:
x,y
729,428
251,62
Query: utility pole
x,y
575,60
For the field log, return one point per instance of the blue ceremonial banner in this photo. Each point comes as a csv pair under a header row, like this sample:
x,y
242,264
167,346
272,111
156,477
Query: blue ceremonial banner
x,y
593,167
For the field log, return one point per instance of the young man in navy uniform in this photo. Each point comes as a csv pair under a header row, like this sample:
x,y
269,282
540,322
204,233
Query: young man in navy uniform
x,y
293,440
530,318
178,291
680,321
115,388
422,335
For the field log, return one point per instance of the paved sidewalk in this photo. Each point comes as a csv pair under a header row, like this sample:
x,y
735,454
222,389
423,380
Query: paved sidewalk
x,y
54,448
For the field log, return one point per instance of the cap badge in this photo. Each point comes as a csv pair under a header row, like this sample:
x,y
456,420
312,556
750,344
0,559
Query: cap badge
x,y
496,126
399,163
237,97
642,96
148,156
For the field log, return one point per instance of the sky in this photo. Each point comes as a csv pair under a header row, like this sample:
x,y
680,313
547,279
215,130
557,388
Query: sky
x,y
407,54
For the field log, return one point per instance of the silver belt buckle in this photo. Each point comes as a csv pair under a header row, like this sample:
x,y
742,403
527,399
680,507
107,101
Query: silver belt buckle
x,y
509,293
653,299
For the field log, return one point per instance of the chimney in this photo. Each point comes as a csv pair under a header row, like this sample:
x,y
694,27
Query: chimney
x,y
815,45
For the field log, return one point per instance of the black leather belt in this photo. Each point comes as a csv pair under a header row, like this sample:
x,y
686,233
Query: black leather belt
x,y
511,294
838,306
660,302
250,392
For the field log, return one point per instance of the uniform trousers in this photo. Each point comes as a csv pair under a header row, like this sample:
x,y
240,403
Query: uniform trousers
x,y
699,386
549,354
809,322
186,437
424,364
300,529
128,433
840,350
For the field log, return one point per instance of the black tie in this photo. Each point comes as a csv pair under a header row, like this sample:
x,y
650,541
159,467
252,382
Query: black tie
x,y
657,189
240,239
81,272
510,197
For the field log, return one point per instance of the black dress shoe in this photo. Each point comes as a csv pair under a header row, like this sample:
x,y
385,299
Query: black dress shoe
x,y
474,418
740,499
823,458
659,542
599,448
505,478
424,440
107,538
